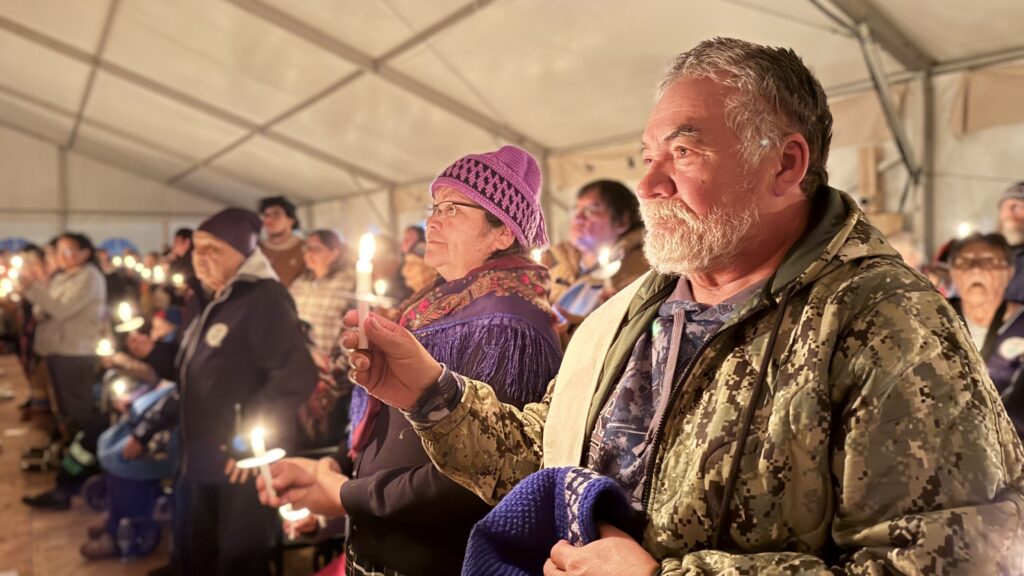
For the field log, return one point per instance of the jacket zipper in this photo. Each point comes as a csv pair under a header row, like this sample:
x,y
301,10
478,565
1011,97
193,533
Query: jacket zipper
x,y
186,359
677,386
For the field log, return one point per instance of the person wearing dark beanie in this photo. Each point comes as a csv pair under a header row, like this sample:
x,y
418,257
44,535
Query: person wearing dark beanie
x,y
281,246
243,363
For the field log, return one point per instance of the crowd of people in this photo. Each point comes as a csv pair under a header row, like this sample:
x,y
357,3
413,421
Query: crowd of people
x,y
727,371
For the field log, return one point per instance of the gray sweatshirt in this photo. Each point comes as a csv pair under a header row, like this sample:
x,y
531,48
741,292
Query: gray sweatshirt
x,y
70,311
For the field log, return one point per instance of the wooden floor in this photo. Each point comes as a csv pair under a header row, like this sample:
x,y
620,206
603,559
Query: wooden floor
x,y
43,543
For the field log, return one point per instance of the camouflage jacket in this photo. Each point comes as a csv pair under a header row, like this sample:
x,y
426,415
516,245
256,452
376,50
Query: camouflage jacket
x,y
879,446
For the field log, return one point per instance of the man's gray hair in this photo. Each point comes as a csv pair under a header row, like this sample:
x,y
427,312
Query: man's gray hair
x,y
776,95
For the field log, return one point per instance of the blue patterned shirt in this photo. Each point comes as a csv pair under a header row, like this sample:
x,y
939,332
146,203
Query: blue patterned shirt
x,y
619,442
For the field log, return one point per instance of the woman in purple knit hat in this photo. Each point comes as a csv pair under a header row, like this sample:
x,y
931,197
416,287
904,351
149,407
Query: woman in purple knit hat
x,y
487,317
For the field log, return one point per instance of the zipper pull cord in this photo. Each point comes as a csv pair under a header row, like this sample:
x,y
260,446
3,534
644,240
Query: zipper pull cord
x,y
722,526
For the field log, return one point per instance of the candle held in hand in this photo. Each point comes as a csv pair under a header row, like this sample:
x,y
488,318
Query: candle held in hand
x,y
364,283
259,450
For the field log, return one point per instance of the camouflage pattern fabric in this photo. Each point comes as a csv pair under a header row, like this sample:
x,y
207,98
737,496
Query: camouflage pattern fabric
x,y
881,446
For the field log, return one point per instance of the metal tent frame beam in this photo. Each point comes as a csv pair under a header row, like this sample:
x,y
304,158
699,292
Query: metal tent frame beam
x,y
886,33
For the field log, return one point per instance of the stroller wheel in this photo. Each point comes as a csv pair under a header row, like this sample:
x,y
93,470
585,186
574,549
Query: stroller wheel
x,y
94,492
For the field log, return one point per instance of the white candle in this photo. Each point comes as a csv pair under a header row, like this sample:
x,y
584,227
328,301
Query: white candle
x,y
364,282
604,257
259,450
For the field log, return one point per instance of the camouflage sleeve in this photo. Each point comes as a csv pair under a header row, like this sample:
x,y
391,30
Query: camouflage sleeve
x,y
485,445
926,465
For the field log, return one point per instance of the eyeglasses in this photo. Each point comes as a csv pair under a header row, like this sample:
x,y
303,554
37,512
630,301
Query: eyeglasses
x,y
589,211
987,263
449,209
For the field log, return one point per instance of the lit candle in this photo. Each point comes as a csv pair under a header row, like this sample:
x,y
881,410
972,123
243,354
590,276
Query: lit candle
x,y
606,266
364,281
146,273
259,450
159,275
537,254
124,311
104,348
178,279
129,261
17,262
380,287
964,229
6,285
116,261
120,387
604,257
13,273
139,267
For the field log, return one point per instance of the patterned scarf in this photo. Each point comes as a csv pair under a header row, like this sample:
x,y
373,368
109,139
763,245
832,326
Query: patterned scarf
x,y
508,276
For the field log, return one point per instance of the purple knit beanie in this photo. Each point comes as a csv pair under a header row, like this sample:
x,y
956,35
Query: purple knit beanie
x,y
239,228
507,184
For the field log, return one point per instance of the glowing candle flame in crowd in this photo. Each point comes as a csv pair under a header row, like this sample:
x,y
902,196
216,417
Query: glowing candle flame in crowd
x,y
17,262
178,279
146,273
380,287
130,262
119,387
364,281
104,347
117,261
6,286
964,229
159,275
13,274
124,311
537,254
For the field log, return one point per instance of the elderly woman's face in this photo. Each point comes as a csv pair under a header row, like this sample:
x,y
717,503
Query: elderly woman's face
x,y
981,274
459,243
215,261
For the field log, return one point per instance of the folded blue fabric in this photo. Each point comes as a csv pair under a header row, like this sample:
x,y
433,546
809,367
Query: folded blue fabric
x,y
515,538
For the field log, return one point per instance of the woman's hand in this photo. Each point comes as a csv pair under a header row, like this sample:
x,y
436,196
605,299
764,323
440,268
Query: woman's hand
x,y
396,368
305,483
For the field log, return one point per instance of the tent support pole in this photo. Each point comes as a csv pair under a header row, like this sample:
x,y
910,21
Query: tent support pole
x,y
63,197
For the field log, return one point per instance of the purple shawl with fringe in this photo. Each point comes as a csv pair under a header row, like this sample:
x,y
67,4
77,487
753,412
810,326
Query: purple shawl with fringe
x,y
494,325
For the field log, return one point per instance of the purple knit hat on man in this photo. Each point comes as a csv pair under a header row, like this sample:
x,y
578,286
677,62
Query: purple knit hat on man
x,y
506,183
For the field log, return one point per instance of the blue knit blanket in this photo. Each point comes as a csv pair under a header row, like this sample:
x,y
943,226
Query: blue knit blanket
x,y
516,537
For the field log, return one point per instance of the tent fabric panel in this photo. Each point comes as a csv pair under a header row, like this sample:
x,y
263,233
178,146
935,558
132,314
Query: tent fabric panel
x,y
34,119
388,130
124,152
37,228
370,26
988,98
571,56
282,168
28,175
41,73
150,116
952,29
78,23
216,182
221,55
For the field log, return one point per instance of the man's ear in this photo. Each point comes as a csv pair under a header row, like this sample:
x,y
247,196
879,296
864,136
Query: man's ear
x,y
794,160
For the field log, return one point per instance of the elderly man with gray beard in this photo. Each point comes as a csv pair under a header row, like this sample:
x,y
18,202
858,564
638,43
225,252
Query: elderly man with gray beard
x,y
782,394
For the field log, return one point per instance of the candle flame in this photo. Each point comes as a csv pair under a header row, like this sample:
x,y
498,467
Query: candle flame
x,y
124,311
964,229
129,261
537,254
104,348
120,387
117,261
367,246
159,275
604,257
13,274
17,262
178,279
258,434
6,285
146,273
380,287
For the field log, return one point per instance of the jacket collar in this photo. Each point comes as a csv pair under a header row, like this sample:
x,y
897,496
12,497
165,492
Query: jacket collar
x,y
256,267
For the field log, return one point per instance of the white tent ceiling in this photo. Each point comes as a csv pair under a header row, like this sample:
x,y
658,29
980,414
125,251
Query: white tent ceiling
x,y
323,99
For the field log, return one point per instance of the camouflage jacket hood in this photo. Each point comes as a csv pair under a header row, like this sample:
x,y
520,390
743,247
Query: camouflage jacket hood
x,y
877,443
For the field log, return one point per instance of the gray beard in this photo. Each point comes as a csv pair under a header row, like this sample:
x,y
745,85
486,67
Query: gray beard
x,y
677,242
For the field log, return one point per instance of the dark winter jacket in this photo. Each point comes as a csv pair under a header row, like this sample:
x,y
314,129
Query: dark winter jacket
x,y
246,348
